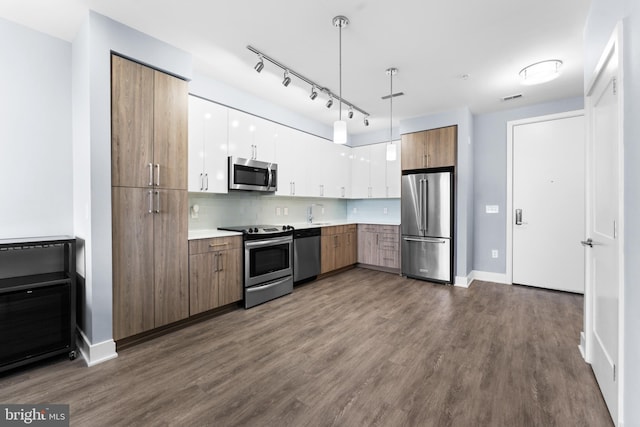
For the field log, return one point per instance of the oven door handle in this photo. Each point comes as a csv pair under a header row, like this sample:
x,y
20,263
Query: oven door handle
x,y
274,241
267,286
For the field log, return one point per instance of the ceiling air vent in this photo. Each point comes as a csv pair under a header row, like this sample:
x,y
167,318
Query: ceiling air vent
x,y
512,97
393,95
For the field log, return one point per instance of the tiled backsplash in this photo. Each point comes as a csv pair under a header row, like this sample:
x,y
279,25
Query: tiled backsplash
x,y
375,211
244,208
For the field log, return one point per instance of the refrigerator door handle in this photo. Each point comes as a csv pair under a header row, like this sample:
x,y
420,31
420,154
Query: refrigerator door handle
x,y
425,240
426,205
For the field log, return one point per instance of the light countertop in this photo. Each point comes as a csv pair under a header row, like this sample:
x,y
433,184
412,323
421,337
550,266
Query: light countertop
x,y
210,233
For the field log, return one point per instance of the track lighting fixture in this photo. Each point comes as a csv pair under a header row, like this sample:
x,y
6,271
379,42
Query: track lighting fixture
x,y
286,79
260,65
316,89
330,102
366,120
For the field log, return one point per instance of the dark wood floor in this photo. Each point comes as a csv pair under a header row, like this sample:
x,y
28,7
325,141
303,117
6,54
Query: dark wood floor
x,y
362,348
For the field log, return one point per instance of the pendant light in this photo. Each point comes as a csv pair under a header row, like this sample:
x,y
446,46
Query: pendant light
x,y
391,147
340,126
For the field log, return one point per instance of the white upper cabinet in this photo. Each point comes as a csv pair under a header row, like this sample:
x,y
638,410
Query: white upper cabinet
x,y
394,173
251,137
207,146
372,175
289,157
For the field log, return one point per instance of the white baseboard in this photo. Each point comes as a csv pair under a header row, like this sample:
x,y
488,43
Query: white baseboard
x,y
462,282
96,353
582,346
487,276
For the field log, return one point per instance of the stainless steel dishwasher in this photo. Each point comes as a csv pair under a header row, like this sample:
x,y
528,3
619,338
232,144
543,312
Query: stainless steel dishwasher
x,y
306,254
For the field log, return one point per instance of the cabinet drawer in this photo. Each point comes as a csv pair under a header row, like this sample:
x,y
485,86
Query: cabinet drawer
x,y
338,229
214,244
389,259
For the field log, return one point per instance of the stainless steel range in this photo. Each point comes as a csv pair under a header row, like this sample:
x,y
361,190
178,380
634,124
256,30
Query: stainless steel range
x,y
268,262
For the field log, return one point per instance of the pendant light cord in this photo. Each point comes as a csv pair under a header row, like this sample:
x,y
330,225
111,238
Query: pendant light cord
x,y
340,73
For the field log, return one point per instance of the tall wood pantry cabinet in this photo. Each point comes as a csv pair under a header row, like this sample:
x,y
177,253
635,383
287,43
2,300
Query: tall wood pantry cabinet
x,y
149,198
429,148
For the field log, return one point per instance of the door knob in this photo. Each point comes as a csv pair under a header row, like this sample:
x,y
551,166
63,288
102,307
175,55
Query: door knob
x,y
588,242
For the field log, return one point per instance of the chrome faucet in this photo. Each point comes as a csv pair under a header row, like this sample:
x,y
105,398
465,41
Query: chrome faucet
x,y
310,212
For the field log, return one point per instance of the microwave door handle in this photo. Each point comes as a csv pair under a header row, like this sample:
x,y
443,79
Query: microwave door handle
x,y
270,176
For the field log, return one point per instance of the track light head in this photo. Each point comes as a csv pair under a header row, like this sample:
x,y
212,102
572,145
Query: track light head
x,y
260,65
330,102
366,120
286,79
314,93
350,112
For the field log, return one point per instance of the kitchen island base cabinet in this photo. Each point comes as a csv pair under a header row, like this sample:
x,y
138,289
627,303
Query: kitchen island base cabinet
x,y
338,247
215,273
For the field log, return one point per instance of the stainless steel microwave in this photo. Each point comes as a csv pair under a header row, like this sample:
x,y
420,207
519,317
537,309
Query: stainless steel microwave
x,y
252,175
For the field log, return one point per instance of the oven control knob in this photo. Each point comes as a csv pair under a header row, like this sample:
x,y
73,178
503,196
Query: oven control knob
x,y
284,227
250,230
289,227
255,230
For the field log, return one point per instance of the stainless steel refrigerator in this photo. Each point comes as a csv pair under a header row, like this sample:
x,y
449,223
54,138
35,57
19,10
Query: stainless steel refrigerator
x,y
427,231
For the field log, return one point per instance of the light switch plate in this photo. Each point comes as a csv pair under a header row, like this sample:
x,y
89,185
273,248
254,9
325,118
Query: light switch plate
x,y
278,211
286,211
492,209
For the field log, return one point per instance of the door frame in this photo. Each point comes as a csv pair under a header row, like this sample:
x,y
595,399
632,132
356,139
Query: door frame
x,y
509,208
613,49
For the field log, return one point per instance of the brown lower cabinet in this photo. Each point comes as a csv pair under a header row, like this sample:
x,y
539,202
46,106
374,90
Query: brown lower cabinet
x,y
379,245
338,247
150,264
215,273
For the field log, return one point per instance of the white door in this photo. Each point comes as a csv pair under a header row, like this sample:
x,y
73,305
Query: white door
x,y
603,256
549,203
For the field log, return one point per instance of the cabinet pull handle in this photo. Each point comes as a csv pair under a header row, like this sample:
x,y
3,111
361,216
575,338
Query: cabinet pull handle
x,y
206,177
213,245
150,193
201,182
215,262
342,190
157,201
377,239
157,174
219,258
294,188
150,174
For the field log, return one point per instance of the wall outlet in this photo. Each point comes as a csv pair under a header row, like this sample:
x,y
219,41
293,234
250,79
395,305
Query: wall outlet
x,y
494,253
278,211
355,210
385,211
492,209
322,210
286,211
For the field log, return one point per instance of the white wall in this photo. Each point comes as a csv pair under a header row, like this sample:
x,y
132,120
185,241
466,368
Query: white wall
x,y
36,175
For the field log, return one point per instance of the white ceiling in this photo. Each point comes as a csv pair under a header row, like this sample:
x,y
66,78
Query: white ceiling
x,y
432,43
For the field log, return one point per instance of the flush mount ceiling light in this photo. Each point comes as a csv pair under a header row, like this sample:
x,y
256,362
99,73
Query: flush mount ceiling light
x,y
391,147
260,65
286,79
314,93
540,72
